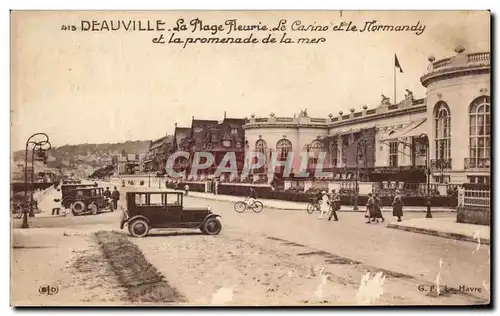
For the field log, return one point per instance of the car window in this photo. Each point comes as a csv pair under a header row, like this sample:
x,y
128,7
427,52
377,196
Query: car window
x,y
140,199
79,193
173,199
156,199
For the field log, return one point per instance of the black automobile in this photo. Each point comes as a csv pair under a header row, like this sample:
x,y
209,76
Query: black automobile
x,y
160,210
86,200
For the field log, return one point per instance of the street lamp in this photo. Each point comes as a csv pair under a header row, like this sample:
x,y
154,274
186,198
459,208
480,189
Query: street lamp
x,y
361,145
40,147
425,139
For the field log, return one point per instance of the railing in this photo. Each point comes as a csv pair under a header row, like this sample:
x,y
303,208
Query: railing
x,y
406,189
393,107
261,120
441,63
318,120
284,119
477,163
477,198
475,57
471,58
441,164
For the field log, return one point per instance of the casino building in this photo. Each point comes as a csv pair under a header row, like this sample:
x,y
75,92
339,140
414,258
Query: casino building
x,y
444,136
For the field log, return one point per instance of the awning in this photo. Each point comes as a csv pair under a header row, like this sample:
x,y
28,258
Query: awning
x,y
414,129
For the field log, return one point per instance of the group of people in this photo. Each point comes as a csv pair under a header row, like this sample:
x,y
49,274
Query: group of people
x,y
331,204
113,197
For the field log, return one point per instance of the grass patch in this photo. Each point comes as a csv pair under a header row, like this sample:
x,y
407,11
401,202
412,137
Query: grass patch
x,y
143,283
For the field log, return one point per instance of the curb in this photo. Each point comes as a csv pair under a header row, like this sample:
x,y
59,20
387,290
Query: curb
x,y
433,232
361,210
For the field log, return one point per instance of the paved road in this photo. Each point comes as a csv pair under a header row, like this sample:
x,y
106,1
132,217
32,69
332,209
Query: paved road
x,y
420,257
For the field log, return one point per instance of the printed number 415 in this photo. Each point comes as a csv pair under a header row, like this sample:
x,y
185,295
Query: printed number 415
x,y
68,28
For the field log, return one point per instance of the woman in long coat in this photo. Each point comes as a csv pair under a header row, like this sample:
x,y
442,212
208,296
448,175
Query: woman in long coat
x,y
324,204
378,208
397,206
370,207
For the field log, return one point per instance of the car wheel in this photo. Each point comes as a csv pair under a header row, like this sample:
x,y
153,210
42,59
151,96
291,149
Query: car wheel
x,y
139,228
212,226
240,206
78,208
257,206
93,209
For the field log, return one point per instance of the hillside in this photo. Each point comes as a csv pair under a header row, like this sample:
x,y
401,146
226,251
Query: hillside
x,y
100,150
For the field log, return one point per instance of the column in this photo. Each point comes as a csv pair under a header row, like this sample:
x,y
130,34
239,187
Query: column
x,y
339,152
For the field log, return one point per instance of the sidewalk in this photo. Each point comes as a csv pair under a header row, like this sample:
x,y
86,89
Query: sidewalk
x,y
445,227
301,206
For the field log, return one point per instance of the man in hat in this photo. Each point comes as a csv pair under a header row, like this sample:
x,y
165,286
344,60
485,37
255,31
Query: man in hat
x,y
334,206
115,196
324,204
397,206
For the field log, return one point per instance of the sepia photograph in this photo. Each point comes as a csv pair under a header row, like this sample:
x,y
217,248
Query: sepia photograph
x,y
250,158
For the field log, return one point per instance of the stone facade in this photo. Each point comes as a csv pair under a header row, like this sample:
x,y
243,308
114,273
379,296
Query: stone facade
x,y
455,83
399,132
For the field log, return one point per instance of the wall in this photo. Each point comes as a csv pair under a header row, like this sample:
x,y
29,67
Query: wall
x,y
299,137
458,93
384,125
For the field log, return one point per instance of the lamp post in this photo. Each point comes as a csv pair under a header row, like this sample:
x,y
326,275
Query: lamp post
x,y
42,145
425,139
361,145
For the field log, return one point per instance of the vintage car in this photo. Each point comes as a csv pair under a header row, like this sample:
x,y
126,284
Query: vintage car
x,y
65,188
84,200
148,210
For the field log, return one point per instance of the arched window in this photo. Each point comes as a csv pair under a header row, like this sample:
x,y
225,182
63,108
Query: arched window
x,y
314,150
317,146
261,146
479,132
283,147
442,133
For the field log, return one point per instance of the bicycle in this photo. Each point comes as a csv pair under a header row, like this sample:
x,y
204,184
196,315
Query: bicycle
x,y
241,206
313,206
18,212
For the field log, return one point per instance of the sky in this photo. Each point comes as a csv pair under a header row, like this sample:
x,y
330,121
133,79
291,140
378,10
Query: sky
x,y
99,87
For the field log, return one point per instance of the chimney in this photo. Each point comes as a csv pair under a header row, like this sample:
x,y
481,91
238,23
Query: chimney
x,y
224,114
192,118
175,124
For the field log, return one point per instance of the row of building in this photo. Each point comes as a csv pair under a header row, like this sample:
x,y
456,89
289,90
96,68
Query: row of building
x,y
445,135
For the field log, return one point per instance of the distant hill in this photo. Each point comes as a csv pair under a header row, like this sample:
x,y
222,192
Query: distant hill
x,y
100,150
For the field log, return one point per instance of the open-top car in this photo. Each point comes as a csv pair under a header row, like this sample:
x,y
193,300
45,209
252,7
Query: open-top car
x,y
159,210
82,200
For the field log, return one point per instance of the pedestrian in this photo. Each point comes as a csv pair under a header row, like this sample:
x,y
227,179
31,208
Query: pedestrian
x,y
334,206
325,204
186,189
370,208
378,208
115,195
252,196
107,193
397,206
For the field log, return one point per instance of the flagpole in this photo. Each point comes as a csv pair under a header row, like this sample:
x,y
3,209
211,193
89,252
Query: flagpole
x,y
394,101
